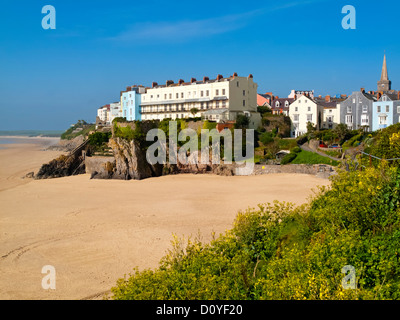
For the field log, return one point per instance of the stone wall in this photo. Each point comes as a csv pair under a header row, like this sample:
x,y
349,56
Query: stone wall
x,y
319,170
98,165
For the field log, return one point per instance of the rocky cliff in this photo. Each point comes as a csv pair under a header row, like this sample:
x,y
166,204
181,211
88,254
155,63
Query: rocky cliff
x,y
129,162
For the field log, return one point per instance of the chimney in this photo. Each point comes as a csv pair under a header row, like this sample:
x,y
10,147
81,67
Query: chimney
x,y
398,95
219,77
235,74
328,98
180,81
363,90
192,80
205,79
128,88
250,76
379,95
169,82
154,84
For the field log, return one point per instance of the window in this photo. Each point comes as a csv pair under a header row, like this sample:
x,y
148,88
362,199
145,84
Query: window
x,y
194,93
201,93
364,119
330,110
170,95
365,109
151,97
244,103
165,96
349,119
398,109
244,92
158,96
308,109
207,93
130,111
286,104
295,117
223,92
383,119
329,118
379,108
349,109
354,100
387,108
309,117
384,98
223,104
217,92
296,108
277,104
237,83
217,104
202,105
177,95
181,94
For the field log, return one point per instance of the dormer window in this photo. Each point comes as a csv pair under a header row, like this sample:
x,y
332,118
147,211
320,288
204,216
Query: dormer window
x,y
286,103
277,104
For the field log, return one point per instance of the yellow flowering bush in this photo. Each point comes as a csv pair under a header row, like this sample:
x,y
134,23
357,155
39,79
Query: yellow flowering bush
x,y
279,251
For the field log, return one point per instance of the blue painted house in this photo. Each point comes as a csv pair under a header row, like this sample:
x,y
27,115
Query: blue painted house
x,y
130,102
385,111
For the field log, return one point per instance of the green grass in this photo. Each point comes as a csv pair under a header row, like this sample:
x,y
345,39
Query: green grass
x,y
307,157
287,144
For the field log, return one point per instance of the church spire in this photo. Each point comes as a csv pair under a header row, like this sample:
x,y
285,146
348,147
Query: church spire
x,y
384,85
384,75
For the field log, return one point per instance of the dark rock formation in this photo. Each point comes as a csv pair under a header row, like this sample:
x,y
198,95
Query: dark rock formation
x,y
64,165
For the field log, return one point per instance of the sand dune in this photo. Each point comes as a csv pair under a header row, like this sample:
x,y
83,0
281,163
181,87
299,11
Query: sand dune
x,y
95,231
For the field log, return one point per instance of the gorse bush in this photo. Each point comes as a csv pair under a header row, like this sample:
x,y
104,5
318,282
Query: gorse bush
x,y
279,251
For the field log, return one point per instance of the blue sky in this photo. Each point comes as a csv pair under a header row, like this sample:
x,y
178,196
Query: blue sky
x,y
51,78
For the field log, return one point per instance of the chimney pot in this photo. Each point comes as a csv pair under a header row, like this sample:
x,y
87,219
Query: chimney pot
x,y
219,77
235,74
363,90
169,82
250,76
154,84
181,81
192,80
205,79
328,98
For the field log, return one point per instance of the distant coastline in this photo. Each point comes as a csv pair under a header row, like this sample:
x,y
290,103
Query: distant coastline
x,y
30,133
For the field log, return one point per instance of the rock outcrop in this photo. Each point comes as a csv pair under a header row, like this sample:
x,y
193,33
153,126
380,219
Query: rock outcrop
x,y
64,165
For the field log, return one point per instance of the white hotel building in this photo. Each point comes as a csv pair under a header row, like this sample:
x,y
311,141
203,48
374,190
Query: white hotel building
x,y
220,99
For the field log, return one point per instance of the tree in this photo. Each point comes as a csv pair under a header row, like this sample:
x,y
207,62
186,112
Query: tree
x,y
193,111
341,131
242,121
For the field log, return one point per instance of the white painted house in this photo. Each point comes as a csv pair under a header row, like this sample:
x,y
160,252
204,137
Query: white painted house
x,y
302,111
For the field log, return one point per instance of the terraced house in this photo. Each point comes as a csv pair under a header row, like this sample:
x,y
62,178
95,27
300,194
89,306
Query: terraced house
x,y
356,110
386,111
220,99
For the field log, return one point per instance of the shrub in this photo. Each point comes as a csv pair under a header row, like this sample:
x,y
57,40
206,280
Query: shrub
x,y
296,149
278,251
288,158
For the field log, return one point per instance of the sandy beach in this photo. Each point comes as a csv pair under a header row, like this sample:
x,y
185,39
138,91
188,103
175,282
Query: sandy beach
x,y
95,231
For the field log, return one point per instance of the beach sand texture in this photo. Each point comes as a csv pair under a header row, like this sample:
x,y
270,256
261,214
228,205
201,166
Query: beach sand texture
x,y
95,231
